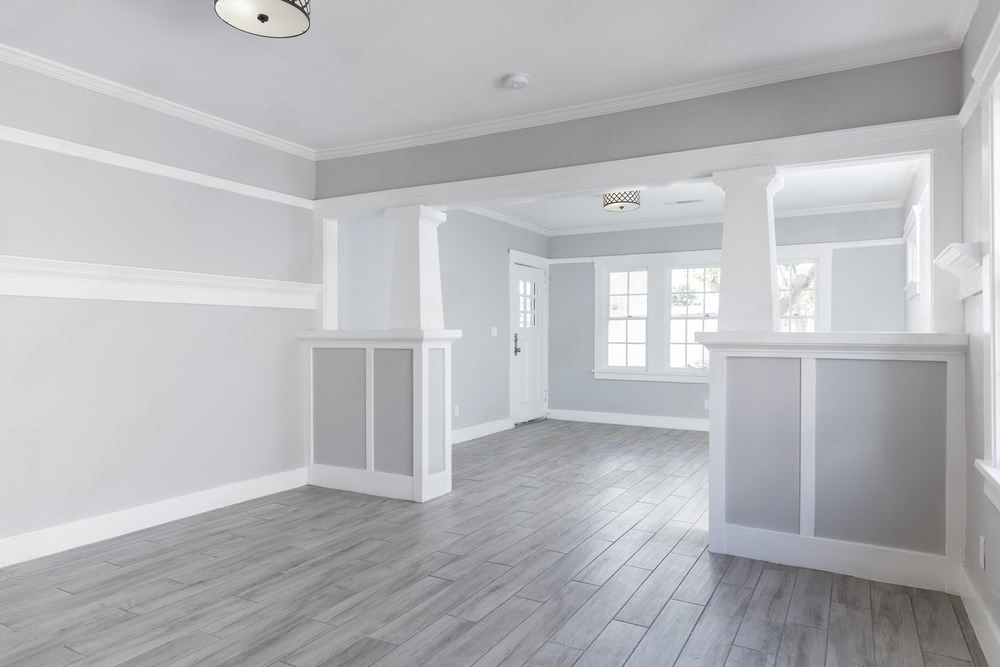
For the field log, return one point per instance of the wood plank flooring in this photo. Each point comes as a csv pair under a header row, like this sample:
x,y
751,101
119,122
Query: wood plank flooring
x,y
562,544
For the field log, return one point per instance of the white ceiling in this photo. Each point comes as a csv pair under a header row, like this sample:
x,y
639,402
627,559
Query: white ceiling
x,y
808,190
376,74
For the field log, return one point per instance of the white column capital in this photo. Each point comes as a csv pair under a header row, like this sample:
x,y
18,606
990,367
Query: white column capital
x,y
765,176
416,213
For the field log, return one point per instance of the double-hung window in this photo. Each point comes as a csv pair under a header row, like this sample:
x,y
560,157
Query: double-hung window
x,y
694,308
628,297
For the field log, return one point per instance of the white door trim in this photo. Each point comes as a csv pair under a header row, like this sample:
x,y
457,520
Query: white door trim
x,y
517,257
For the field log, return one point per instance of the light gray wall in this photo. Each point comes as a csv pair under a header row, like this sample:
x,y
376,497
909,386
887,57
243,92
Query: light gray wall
x,y
880,453
925,87
762,443
868,288
339,408
982,518
113,405
975,38
393,386
59,207
44,105
571,359
110,405
474,277
827,228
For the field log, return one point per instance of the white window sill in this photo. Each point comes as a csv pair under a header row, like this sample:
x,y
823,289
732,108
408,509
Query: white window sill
x,y
651,376
992,486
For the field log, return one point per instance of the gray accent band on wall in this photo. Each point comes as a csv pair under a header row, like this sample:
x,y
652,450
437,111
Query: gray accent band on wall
x,y
762,443
393,388
880,453
339,407
436,410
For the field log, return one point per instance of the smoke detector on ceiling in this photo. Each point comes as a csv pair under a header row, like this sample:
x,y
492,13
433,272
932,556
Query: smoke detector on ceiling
x,y
515,80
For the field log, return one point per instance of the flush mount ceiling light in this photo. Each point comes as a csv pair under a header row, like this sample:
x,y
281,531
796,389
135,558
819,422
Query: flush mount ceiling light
x,y
267,18
621,201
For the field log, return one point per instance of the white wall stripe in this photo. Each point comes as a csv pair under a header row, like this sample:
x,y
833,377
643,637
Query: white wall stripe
x,y
25,138
654,421
50,278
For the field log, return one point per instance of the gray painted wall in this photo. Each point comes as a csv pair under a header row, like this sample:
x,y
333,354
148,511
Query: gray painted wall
x,y
982,518
925,87
109,405
975,38
112,405
762,443
868,289
339,408
393,385
474,279
571,359
54,108
61,207
880,453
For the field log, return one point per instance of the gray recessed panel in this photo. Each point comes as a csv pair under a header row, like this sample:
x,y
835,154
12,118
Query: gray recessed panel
x,y
393,385
762,443
436,410
339,407
880,453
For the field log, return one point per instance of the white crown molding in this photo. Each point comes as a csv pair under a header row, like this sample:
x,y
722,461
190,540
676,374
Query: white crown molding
x,y
960,19
47,541
51,278
25,138
509,219
572,231
761,77
124,93
984,73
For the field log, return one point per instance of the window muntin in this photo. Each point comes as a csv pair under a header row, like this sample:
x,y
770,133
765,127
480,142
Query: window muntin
x,y
694,307
628,295
527,308
797,296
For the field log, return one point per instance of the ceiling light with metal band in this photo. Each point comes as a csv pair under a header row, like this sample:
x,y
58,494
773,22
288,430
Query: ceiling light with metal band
x,y
621,201
267,18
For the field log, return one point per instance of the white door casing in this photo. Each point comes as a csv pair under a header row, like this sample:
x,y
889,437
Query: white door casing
x,y
528,342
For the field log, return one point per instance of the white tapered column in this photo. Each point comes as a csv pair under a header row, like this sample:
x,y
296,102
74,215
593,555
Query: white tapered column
x,y
749,281
416,302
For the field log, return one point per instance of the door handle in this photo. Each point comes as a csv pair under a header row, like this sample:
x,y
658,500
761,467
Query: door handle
x,y
517,350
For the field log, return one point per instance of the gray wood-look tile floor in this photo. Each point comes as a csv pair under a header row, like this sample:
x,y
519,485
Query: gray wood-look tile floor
x,y
562,544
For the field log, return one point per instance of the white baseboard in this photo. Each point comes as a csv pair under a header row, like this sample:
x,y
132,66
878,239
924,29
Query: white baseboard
x,y
480,430
682,423
866,561
36,544
369,482
983,622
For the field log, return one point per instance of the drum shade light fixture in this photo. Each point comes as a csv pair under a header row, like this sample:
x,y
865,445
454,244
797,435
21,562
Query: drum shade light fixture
x,y
621,201
267,18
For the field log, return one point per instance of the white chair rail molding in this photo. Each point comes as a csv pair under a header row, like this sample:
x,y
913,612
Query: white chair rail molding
x,y
861,438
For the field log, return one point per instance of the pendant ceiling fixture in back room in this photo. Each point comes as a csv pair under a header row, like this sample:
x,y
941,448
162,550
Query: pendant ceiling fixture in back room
x,y
267,18
621,201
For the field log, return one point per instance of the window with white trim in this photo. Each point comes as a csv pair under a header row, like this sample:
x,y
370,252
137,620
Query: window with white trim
x,y
694,308
649,308
627,305
797,310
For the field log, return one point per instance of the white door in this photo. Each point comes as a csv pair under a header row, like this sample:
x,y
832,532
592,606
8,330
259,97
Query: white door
x,y
528,344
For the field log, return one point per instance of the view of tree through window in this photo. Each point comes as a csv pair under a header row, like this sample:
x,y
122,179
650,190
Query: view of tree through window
x,y
797,296
694,307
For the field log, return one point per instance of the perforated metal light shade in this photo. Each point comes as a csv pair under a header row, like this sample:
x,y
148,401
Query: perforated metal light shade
x,y
621,201
267,18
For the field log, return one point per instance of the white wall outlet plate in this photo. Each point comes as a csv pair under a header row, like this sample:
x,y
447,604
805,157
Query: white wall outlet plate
x,y
493,332
457,411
